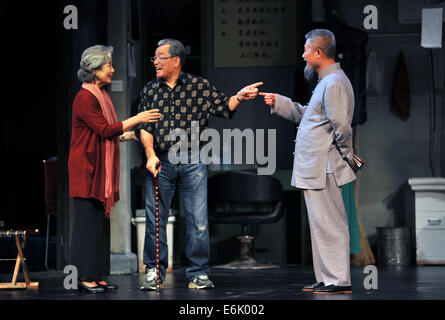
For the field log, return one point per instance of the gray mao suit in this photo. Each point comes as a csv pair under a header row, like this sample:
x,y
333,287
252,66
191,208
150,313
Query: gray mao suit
x,y
322,158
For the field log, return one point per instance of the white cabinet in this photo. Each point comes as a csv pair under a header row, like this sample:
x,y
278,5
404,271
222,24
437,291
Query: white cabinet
x,y
430,219
139,222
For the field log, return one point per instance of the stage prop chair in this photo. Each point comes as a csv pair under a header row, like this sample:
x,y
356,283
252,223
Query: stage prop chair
x,y
50,170
240,197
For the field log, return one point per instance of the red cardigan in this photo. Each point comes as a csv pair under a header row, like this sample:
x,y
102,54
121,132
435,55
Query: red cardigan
x,y
86,162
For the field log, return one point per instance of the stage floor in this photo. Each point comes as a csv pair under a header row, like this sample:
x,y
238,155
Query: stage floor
x,y
283,283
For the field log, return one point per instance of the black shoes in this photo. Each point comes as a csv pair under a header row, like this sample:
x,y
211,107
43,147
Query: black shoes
x,y
86,289
312,287
320,288
108,287
99,288
332,289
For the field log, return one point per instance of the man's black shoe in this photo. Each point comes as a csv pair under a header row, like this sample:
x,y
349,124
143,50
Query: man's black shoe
x,y
332,289
312,287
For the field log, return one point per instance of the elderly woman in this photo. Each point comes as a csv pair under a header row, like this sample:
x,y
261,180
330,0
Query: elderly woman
x,y
93,166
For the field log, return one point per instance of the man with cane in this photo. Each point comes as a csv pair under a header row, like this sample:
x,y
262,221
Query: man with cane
x,y
181,98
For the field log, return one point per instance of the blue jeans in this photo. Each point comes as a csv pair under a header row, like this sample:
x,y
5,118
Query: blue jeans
x,y
191,182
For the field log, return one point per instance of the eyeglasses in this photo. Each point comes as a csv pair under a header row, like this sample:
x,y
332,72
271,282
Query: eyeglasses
x,y
153,59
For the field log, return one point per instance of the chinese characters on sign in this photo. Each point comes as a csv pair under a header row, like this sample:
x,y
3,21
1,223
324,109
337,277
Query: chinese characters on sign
x,y
254,33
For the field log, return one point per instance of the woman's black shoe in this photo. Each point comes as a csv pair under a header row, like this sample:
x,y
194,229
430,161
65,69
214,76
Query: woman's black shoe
x,y
107,287
84,288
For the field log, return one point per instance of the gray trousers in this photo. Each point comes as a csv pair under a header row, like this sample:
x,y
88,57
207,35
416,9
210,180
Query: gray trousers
x,y
329,234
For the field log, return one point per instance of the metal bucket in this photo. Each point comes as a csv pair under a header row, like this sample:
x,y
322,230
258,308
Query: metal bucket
x,y
394,246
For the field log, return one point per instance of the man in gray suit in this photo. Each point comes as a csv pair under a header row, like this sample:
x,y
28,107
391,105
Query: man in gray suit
x,y
323,159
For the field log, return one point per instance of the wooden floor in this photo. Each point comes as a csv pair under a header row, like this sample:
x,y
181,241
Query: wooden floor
x,y
280,287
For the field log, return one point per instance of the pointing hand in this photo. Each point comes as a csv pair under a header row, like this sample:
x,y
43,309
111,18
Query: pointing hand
x,y
248,92
269,98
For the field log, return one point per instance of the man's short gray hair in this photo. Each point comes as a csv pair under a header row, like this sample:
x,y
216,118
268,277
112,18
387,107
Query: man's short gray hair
x,y
324,39
93,58
176,48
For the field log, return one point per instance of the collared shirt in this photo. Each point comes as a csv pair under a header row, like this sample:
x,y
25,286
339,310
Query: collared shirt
x,y
192,99
324,133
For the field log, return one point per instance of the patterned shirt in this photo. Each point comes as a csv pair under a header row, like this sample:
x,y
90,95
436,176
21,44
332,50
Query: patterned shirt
x,y
192,99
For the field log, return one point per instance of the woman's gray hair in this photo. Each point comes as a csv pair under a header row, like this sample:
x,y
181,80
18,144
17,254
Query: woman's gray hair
x,y
93,58
176,48
324,39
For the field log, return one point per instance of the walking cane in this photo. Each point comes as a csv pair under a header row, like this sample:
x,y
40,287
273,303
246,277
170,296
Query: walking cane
x,y
157,230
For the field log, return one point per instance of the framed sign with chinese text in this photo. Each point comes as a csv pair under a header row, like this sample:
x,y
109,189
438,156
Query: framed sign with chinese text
x,y
254,33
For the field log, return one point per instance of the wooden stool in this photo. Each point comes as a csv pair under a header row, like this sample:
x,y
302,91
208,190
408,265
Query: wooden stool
x,y
19,261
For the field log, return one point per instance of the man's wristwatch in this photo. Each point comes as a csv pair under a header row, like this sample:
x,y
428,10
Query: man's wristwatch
x,y
123,137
